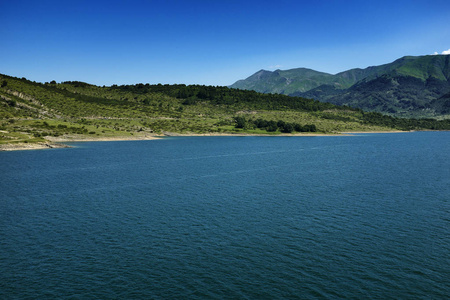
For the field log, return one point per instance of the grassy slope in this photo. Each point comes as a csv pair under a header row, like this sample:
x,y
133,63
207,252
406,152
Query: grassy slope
x,y
33,112
436,66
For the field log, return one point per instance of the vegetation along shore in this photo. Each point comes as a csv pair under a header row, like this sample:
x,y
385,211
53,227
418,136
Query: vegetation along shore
x,y
42,115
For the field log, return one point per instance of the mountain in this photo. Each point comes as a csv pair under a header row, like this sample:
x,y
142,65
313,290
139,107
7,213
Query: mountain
x,y
409,86
33,112
442,104
290,81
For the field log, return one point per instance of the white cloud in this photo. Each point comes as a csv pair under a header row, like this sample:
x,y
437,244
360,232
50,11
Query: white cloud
x,y
446,52
275,67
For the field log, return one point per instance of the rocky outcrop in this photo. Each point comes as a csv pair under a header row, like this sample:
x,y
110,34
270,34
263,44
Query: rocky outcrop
x,y
36,105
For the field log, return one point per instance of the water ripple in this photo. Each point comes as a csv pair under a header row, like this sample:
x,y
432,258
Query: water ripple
x,y
363,217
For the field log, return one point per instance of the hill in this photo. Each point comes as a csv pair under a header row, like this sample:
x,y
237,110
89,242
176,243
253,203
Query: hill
x,y
290,81
406,87
39,112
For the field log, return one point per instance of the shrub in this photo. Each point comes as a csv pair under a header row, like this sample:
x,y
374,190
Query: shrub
x,y
287,128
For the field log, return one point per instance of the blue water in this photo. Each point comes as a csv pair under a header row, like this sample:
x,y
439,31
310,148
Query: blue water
x,y
360,217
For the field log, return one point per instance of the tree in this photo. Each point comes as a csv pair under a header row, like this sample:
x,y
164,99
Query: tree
x,y
287,128
272,126
310,128
260,123
281,123
298,127
241,122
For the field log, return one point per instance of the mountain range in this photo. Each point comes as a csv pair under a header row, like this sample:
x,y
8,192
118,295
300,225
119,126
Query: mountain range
x,y
411,86
38,113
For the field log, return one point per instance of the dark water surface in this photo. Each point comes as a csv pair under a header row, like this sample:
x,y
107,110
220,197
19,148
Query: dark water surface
x,y
365,216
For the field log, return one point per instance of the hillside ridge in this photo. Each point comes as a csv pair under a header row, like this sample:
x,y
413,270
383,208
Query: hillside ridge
x,y
419,82
33,112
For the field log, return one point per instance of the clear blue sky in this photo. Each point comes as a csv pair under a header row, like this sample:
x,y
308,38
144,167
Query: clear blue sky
x,y
210,42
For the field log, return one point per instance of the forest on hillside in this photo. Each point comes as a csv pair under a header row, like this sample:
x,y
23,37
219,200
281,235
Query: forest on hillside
x,y
35,110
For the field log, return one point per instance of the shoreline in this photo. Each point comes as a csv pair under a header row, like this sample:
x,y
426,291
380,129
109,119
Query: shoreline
x,y
31,146
248,134
58,142
69,139
304,134
376,131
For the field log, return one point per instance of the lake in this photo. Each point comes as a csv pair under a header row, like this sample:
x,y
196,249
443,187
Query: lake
x,y
363,216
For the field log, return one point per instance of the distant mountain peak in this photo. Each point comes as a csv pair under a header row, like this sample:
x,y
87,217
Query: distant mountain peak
x,y
418,80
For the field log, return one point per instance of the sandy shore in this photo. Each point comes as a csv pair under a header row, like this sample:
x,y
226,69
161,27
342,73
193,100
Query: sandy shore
x,y
65,139
173,134
31,146
346,133
58,142
380,131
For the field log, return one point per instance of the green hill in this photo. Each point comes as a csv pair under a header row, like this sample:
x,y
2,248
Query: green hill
x,y
406,87
442,104
290,81
37,112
